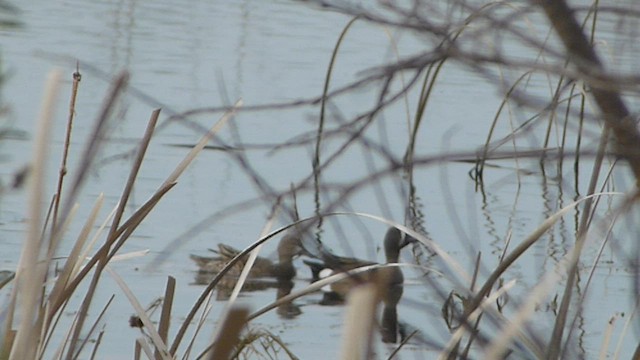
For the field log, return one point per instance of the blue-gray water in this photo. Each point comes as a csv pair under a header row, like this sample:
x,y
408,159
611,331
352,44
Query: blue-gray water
x,y
209,54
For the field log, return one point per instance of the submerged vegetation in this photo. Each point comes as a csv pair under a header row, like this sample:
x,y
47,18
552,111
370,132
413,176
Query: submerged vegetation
x,y
484,317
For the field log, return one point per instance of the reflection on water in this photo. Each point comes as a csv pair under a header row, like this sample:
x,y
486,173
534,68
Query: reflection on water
x,y
225,286
287,310
207,54
227,283
391,332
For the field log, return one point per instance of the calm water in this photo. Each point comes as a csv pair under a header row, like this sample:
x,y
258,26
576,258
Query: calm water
x,y
209,54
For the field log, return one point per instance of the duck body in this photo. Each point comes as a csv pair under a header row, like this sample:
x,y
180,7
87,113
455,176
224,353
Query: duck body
x,y
392,277
288,247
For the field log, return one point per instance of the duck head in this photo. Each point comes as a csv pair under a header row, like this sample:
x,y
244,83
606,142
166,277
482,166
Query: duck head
x,y
394,241
289,247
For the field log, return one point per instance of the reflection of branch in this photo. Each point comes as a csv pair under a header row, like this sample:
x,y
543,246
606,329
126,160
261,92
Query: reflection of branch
x,y
617,119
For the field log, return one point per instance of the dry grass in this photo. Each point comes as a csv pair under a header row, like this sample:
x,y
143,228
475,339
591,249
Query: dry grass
x,y
475,312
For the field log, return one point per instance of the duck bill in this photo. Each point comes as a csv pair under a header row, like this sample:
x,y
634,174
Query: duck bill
x,y
408,239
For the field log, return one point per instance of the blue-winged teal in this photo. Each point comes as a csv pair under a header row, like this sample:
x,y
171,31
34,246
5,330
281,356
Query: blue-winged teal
x,y
394,241
288,248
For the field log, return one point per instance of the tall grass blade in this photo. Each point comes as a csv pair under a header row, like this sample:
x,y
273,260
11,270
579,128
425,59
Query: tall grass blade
x,y
199,325
94,353
94,142
359,320
165,315
201,144
606,340
58,354
192,154
554,348
94,326
89,247
74,258
135,219
158,343
6,277
103,257
227,339
323,103
31,273
67,144
135,168
243,277
631,319
141,343
88,155
250,261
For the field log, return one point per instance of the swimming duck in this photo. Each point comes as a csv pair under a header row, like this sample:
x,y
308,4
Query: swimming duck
x,y
288,248
394,241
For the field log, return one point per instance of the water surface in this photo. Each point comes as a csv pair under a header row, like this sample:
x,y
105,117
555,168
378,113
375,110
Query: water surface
x,y
209,54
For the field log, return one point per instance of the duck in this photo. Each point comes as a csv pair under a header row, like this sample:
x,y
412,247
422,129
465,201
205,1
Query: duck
x,y
394,241
288,248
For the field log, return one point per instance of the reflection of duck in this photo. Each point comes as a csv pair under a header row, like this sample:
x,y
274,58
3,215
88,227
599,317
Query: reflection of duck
x,y
287,310
288,247
225,286
392,277
389,328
